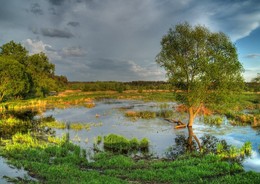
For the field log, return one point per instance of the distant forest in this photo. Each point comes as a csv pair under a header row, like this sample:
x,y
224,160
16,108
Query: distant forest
x,y
136,85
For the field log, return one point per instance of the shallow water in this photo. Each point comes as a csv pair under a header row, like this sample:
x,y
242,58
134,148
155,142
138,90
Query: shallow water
x,y
7,170
160,132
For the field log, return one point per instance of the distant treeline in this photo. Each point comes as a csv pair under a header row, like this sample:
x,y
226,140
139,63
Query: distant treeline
x,y
136,85
119,86
253,86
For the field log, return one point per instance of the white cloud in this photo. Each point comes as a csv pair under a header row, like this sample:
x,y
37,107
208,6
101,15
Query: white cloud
x,y
37,46
147,73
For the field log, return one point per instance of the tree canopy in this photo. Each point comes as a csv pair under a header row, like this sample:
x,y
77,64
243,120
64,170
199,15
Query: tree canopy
x,y
202,64
13,79
26,75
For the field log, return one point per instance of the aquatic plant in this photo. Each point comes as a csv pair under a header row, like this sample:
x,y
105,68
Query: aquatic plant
x,y
241,118
76,126
246,149
118,143
54,124
213,120
165,113
11,126
141,114
144,144
98,139
134,144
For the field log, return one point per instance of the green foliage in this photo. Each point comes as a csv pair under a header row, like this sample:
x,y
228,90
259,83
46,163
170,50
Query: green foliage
x,y
98,139
241,118
26,75
144,143
213,120
203,64
234,152
165,113
15,51
11,126
13,79
140,86
42,74
118,143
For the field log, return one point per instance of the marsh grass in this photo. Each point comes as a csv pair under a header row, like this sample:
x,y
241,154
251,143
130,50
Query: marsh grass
x,y
213,120
64,162
11,126
54,124
243,119
118,143
140,114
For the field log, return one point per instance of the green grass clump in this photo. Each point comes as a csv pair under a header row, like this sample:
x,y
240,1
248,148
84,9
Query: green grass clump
x,y
234,152
76,126
118,143
144,143
165,113
54,124
140,114
213,120
98,139
11,126
241,118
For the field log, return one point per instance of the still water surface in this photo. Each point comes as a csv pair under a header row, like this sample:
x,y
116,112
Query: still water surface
x,y
160,132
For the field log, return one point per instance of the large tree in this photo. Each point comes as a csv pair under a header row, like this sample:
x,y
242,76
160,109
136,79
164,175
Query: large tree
x,y
15,51
13,79
41,72
38,68
202,64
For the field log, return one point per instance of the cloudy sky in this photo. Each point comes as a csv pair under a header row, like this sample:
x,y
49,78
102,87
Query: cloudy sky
x,y
90,40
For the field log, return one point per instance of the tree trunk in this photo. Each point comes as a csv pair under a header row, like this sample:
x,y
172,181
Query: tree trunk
x,y
192,135
191,117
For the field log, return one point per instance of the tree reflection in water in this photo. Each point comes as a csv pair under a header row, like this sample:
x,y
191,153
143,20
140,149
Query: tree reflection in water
x,y
191,144
13,122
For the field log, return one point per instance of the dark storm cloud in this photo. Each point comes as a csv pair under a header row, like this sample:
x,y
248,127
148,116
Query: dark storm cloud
x,y
109,64
128,31
73,24
36,9
56,33
57,2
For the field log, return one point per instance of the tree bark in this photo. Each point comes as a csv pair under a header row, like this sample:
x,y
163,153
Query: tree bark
x,y
193,114
191,117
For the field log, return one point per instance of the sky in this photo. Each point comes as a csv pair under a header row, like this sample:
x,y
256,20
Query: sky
x,y
118,40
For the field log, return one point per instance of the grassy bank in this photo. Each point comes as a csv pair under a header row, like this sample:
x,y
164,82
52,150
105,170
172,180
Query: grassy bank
x,y
64,162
